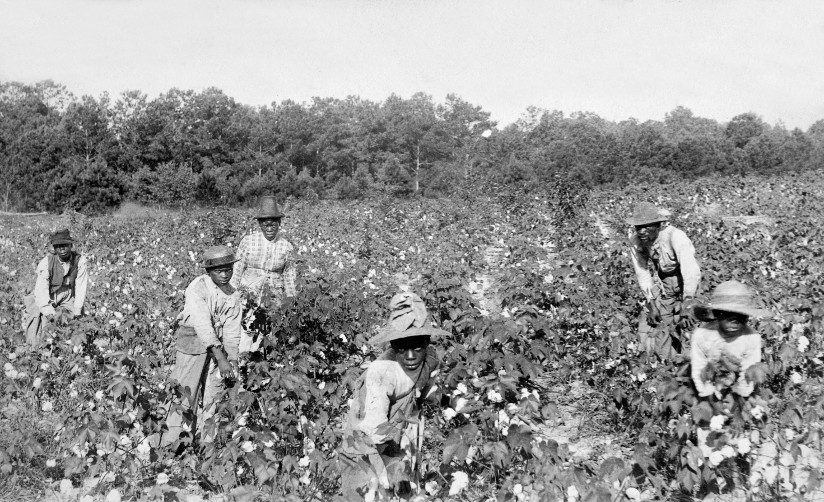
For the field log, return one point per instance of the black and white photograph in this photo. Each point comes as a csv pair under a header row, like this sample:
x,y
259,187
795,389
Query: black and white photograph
x,y
411,251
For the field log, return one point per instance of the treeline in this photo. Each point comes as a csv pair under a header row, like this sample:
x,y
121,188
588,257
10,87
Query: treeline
x,y
90,154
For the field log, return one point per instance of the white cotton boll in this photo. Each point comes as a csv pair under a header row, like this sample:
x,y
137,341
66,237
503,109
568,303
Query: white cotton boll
x,y
449,413
572,494
796,378
460,389
460,404
494,396
47,406
247,446
789,434
728,451
716,458
460,480
757,412
717,422
51,463
162,479
744,445
303,462
803,343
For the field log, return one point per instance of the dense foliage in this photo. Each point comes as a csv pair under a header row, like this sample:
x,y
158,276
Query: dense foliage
x,y
183,147
76,414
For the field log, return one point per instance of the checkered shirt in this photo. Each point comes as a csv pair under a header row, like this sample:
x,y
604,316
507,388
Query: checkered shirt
x,y
261,262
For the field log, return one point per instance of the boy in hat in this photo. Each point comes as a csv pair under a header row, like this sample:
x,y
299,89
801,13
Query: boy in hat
x,y
726,341
383,433
264,262
208,336
60,286
665,250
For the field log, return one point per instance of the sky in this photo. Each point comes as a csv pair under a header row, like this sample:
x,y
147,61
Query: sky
x,y
617,58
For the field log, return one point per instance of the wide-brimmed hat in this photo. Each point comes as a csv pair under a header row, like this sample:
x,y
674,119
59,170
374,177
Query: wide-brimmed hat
x,y
269,208
731,296
646,213
217,256
407,318
61,237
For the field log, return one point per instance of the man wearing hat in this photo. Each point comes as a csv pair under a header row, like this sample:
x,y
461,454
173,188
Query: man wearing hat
x,y
668,273
62,279
724,347
383,433
265,263
208,336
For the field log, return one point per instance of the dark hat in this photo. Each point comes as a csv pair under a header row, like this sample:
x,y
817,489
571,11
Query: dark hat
x,y
646,213
731,296
217,256
407,318
61,237
269,208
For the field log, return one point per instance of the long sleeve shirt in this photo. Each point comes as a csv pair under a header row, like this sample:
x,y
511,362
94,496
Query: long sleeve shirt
x,y
709,346
71,296
262,262
215,316
672,252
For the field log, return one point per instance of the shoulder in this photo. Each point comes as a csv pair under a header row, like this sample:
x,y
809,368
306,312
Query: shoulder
x,y
381,370
705,332
199,286
81,260
45,261
677,235
284,244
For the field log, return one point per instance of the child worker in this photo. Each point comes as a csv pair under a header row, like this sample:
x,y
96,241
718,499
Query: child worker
x,y
725,346
383,433
208,337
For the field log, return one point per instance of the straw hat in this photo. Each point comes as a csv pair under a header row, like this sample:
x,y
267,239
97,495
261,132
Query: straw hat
x,y
407,318
269,208
646,213
61,237
731,296
217,256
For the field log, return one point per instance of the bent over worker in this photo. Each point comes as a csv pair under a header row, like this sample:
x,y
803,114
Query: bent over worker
x,y
383,433
667,271
60,286
208,336
265,263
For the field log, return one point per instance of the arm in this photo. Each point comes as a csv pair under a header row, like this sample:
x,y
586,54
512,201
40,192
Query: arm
x,y
41,288
698,361
81,286
233,327
690,271
240,265
751,356
375,405
641,265
199,314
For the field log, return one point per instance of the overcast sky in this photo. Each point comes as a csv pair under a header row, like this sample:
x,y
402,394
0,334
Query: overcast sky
x,y
617,58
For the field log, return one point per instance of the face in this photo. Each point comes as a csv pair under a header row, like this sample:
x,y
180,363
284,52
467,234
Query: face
x,y
730,323
648,233
221,275
269,227
63,251
411,352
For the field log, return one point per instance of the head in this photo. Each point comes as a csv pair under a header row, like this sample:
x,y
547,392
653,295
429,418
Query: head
x,y
218,262
62,243
63,251
410,352
270,227
730,324
648,232
221,275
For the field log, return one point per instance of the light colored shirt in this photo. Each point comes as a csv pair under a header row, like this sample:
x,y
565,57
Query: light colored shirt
x,y
672,252
263,262
215,316
709,346
72,298
387,395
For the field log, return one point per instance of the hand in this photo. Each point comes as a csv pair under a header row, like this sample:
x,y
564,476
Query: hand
x,y
654,315
228,370
686,318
